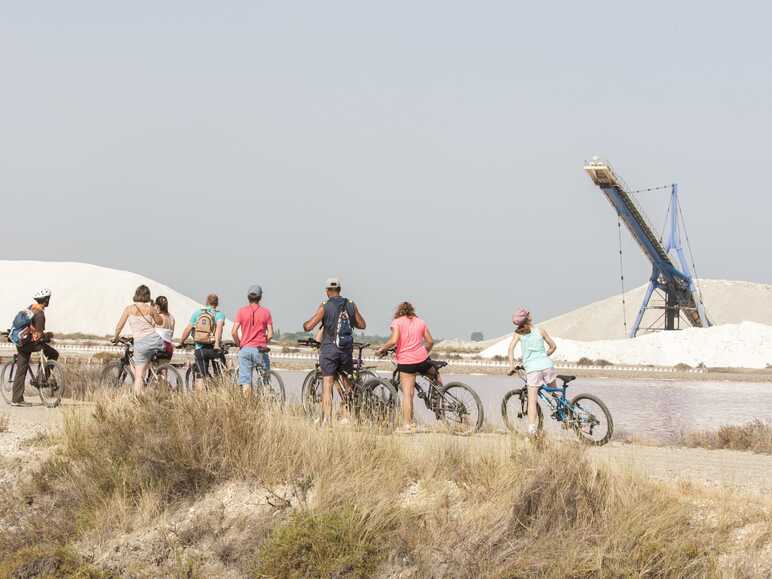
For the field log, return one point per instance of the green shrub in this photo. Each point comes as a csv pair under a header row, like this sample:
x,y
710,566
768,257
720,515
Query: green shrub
x,y
48,562
334,543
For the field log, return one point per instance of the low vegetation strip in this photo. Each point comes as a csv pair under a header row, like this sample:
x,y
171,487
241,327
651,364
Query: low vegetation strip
x,y
214,485
755,436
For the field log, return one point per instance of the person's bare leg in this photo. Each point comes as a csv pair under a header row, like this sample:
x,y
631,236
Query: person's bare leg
x,y
533,414
139,378
345,395
407,381
327,382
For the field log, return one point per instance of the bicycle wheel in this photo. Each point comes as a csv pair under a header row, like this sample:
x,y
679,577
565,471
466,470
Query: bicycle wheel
x,y
514,411
6,381
311,394
51,384
166,377
115,376
190,379
591,420
269,386
460,408
366,376
378,403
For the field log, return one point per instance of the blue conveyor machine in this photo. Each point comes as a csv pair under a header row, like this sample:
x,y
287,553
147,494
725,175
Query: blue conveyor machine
x,y
671,275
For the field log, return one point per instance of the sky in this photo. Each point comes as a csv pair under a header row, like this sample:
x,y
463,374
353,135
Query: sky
x,y
424,151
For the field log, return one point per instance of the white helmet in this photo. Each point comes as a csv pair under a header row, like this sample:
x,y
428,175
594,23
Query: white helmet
x,y
42,294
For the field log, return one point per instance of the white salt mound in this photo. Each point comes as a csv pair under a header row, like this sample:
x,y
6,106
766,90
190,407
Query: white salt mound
x,y
726,302
743,345
86,298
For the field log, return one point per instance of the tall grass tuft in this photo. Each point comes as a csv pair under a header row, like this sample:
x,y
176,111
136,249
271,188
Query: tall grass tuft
x,y
755,436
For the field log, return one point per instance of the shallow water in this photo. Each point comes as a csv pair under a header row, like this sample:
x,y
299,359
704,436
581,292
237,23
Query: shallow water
x,y
656,409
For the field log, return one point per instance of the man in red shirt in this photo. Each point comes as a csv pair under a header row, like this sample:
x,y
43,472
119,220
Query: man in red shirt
x,y
256,327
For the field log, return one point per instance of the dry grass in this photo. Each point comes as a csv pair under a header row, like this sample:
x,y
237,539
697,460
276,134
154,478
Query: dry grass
x,y
4,422
273,496
755,436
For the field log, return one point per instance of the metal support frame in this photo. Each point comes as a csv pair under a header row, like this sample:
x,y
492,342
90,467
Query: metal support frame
x,y
659,279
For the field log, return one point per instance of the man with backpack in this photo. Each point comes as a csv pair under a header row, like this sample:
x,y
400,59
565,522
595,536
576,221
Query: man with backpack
x,y
28,333
338,317
206,326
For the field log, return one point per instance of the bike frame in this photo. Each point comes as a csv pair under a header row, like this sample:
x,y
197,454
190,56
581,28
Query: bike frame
x,y
433,385
41,365
559,404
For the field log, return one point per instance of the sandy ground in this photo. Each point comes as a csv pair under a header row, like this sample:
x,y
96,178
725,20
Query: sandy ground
x,y
742,471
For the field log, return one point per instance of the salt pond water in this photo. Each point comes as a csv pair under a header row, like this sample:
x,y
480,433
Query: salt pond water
x,y
651,408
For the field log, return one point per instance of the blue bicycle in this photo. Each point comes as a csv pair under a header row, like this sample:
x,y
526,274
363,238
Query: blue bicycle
x,y
585,414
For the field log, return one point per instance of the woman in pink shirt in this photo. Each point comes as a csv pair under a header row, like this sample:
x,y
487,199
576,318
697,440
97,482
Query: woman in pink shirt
x,y
413,342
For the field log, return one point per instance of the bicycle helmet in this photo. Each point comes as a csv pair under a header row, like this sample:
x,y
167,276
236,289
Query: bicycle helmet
x,y
42,294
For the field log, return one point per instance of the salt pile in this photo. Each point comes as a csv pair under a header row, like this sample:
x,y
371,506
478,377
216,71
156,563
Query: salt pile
x,y
86,299
727,302
743,345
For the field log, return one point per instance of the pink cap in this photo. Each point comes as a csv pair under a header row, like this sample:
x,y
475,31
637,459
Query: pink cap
x,y
521,316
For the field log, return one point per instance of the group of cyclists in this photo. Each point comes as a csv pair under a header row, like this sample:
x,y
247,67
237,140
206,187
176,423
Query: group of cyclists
x,y
334,321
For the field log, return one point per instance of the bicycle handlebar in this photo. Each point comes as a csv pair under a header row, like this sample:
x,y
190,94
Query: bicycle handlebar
x,y
189,345
516,370
310,342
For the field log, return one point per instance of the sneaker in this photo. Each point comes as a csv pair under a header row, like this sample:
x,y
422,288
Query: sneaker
x,y
344,421
533,431
411,429
22,403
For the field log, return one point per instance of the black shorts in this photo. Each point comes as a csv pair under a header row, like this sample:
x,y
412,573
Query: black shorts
x,y
333,360
420,368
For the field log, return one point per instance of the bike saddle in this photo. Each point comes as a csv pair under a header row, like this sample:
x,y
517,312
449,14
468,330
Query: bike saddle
x,y
438,364
566,379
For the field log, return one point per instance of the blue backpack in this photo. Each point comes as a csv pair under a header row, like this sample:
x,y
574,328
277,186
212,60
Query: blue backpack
x,y
20,327
344,333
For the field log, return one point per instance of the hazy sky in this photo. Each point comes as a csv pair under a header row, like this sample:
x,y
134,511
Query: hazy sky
x,y
429,151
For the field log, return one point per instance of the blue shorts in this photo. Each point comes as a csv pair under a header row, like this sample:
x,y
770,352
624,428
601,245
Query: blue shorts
x,y
249,359
333,360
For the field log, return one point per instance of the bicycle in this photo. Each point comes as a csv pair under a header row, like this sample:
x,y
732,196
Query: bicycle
x,y
456,404
577,414
368,398
48,380
219,367
120,373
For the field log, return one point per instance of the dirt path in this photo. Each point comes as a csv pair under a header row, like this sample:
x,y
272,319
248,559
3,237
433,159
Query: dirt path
x,y
743,471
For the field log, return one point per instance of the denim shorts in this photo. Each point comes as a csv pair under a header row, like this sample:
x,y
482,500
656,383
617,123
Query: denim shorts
x,y
145,348
250,358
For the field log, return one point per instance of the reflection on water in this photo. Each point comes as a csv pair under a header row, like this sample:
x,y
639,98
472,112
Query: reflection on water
x,y
653,408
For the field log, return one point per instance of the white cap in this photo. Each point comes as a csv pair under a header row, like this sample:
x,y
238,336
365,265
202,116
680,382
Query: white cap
x,y
332,283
